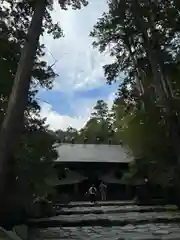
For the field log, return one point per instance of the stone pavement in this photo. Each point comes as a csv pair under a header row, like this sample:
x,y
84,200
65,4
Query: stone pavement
x,y
114,221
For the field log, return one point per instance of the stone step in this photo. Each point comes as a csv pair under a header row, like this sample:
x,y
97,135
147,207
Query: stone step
x,y
114,209
105,219
128,232
99,203
8,235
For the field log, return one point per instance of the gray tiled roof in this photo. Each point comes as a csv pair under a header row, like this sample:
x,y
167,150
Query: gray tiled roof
x,y
92,153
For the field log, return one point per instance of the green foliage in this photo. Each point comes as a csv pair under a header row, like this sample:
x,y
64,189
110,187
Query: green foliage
x,y
68,135
34,155
97,130
143,39
33,161
100,110
76,4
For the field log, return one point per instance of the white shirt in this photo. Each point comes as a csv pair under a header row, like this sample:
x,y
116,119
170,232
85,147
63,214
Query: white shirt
x,y
92,190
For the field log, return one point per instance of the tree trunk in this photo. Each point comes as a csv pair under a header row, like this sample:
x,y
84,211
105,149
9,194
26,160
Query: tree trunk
x,y
160,88
13,120
162,84
173,118
139,79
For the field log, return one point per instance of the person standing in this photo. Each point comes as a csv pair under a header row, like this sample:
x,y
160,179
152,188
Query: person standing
x,y
103,191
92,192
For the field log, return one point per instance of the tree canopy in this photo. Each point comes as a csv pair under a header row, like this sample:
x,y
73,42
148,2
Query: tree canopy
x,y
22,24
143,39
35,152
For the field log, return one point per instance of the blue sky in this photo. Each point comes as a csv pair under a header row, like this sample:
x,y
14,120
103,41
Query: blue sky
x,y
81,80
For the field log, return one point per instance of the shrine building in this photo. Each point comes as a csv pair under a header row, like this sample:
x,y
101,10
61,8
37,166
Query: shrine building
x,y
80,165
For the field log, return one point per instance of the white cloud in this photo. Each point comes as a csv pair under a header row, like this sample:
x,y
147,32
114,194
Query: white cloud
x,y
79,65
57,121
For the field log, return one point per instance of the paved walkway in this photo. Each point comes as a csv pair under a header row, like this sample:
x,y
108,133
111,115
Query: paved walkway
x,y
112,220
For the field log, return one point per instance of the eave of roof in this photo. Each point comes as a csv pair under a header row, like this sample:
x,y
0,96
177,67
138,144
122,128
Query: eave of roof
x,y
72,177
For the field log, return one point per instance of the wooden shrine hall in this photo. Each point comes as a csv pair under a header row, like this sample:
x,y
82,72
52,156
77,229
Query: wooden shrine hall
x,y
86,164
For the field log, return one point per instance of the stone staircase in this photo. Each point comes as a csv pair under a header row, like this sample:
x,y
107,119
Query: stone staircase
x,y
108,220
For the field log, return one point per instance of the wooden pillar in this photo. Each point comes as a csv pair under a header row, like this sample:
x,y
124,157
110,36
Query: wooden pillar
x,y
76,190
128,191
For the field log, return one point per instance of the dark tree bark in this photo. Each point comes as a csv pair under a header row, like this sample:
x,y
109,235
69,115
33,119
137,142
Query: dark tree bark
x,y
13,120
